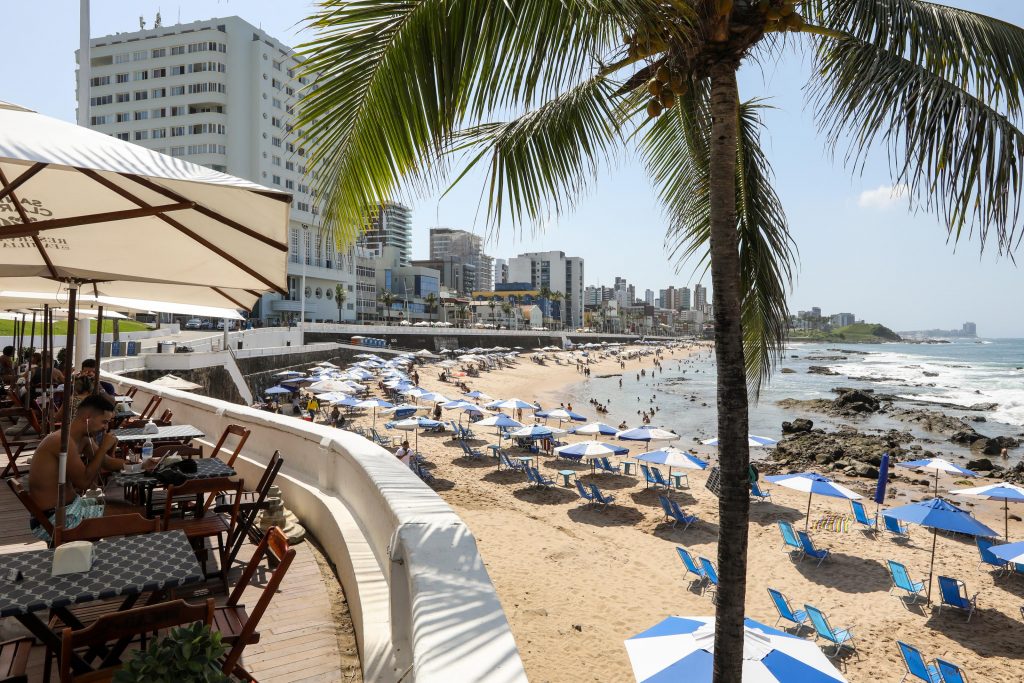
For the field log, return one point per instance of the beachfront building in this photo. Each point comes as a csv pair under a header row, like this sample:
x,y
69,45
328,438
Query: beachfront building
x,y
500,271
389,226
519,299
415,291
466,250
220,93
554,271
700,297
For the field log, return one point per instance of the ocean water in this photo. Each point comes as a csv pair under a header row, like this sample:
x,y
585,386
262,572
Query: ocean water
x,y
966,373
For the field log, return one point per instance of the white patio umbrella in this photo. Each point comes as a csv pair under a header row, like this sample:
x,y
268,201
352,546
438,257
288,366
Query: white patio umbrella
x,y
175,382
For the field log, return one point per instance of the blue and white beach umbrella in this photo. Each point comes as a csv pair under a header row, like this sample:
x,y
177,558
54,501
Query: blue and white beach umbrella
x,y
561,414
753,440
478,395
939,465
811,483
594,429
374,403
536,431
673,457
591,449
277,390
646,434
414,424
1009,552
680,650
511,404
1000,491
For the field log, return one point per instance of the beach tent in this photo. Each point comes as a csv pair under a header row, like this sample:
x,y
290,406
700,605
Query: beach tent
x,y
939,514
811,483
938,465
1000,491
679,650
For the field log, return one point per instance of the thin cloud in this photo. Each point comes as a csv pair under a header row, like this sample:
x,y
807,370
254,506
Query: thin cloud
x,y
883,197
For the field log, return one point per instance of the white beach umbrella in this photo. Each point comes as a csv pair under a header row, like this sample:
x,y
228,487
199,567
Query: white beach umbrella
x,y
175,382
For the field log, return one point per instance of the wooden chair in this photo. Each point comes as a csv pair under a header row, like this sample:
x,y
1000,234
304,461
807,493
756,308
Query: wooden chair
x,y
131,392
123,627
31,506
249,506
96,529
22,410
206,525
14,660
237,628
166,416
237,430
150,409
12,449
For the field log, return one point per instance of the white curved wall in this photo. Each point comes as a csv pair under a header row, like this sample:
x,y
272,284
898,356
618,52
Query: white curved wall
x,y
422,604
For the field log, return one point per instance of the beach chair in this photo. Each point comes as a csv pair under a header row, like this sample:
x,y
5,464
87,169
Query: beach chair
x,y
789,538
691,566
385,441
649,478
421,471
901,579
896,528
987,558
711,574
758,493
917,667
474,453
667,508
585,494
949,672
822,629
659,478
807,546
602,499
680,516
540,479
511,464
607,466
953,593
796,617
868,523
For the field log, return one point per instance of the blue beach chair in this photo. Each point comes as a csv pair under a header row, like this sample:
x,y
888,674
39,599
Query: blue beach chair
x,y
954,594
949,672
789,539
585,495
807,546
659,478
758,493
797,617
607,466
711,574
822,629
917,667
691,566
649,478
680,516
666,507
539,479
901,579
987,558
896,528
869,523
508,463
602,499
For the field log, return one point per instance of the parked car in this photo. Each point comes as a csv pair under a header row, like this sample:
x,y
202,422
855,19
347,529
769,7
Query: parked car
x,y
194,324
220,325
207,325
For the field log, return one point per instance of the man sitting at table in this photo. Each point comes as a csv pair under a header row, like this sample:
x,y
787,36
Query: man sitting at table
x,y
86,458
89,370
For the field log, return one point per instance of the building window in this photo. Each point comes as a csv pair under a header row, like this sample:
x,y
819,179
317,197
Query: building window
x,y
122,58
276,102
101,100
302,206
178,70
141,95
177,90
289,91
122,117
123,136
139,55
277,66
99,80
177,151
140,75
142,135
289,184
141,115
276,161
289,165
178,50
123,97
160,73
304,189
98,120
159,52
121,78
159,133
276,142
319,293
277,180
158,113
177,131
159,92
179,110
275,121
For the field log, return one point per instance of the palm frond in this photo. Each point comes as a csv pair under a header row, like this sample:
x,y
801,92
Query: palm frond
x,y
956,154
677,152
976,53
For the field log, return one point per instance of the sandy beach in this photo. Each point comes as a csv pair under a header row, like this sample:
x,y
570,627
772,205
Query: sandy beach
x,y
575,582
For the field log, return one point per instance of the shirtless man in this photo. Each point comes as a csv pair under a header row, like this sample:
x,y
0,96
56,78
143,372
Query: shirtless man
x,y
85,460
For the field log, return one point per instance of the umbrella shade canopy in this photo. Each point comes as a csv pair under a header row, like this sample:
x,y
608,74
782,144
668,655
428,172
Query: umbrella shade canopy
x,y
332,385
592,449
808,482
175,382
478,394
512,404
412,423
374,403
278,390
289,373
595,428
646,434
1009,552
679,650
562,415
144,297
404,406
753,440
1005,492
673,457
536,431
883,479
937,513
499,420
83,188
433,397
937,464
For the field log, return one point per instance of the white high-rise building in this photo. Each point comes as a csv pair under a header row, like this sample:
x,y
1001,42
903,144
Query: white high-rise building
x,y
221,93
649,297
390,226
557,272
700,297
467,248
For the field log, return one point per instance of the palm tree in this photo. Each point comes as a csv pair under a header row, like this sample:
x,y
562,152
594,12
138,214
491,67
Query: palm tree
x,y
544,294
386,299
938,88
556,297
506,308
431,303
493,304
340,295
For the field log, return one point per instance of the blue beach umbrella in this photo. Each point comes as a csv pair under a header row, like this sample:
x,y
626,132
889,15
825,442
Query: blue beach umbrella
x,y
594,429
561,414
939,465
414,424
753,440
1000,491
811,483
679,650
501,421
939,514
672,457
591,449
374,403
646,434
536,431
1009,552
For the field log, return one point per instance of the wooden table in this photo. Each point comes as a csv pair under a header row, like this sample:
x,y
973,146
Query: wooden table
x,y
206,468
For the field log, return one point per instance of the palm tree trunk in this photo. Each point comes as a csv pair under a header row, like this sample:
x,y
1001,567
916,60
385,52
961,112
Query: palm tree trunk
x,y
734,501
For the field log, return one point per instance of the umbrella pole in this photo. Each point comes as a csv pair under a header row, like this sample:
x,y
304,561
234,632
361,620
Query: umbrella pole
x,y
32,332
807,522
931,567
99,348
65,423
1006,520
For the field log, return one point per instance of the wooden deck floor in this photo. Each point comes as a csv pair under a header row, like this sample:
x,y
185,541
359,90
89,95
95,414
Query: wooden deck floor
x,y
305,634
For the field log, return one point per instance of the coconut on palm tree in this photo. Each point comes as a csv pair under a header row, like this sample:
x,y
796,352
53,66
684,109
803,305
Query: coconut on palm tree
x,y
541,94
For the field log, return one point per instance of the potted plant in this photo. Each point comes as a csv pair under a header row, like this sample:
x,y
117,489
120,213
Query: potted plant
x,y
187,653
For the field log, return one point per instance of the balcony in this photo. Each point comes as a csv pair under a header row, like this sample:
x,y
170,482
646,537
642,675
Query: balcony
x,y
286,305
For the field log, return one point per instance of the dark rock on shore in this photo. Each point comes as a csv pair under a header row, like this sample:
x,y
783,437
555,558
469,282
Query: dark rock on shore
x,y
927,373
849,403
857,401
820,370
787,371
980,465
932,421
994,445
797,426
845,450
826,357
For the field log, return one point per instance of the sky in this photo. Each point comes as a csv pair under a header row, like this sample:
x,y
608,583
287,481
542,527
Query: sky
x,y
861,250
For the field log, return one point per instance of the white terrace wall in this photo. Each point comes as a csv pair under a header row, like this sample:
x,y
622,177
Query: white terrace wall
x,y
423,606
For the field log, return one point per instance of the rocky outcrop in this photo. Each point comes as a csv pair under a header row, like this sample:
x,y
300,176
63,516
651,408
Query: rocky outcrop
x,y
993,445
787,371
849,403
932,421
797,426
820,370
856,401
845,450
